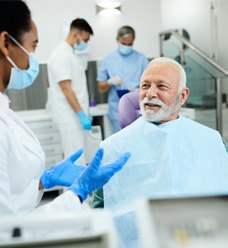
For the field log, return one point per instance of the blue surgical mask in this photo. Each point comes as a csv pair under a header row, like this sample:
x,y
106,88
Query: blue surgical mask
x,y
125,50
81,46
20,79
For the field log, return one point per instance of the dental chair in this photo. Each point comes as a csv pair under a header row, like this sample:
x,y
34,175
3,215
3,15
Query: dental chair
x,y
129,109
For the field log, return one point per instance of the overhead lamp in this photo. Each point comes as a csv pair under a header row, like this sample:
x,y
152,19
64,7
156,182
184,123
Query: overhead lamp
x,y
108,7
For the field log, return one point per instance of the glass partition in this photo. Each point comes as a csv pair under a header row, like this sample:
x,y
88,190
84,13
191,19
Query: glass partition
x,y
202,78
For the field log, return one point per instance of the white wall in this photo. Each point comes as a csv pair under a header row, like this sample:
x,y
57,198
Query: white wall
x,y
193,15
148,17
223,38
53,16
223,32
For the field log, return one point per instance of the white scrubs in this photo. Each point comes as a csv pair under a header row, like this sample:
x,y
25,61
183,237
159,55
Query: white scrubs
x,y
64,64
21,165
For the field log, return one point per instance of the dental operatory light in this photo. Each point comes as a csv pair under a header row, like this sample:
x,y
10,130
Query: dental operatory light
x,y
108,7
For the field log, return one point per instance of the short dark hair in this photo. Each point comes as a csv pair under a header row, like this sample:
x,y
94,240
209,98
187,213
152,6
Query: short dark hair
x,y
82,25
15,18
125,30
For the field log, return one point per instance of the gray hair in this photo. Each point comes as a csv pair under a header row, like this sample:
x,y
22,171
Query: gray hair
x,y
165,60
125,31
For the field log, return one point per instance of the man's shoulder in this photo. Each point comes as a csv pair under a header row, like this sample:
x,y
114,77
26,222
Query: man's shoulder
x,y
139,54
125,133
197,125
111,55
192,122
58,51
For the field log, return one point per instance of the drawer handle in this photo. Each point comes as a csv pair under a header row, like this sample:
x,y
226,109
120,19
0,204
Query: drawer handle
x,y
50,126
50,150
43,127
46,139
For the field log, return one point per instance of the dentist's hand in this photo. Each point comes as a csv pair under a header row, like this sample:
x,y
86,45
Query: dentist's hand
x,y
115,81
86,122
95,176
64,173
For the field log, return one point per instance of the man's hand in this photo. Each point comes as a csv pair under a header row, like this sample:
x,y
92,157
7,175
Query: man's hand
x,y
115,81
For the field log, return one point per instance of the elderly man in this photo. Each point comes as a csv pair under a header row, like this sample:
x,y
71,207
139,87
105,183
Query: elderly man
x,y
171,155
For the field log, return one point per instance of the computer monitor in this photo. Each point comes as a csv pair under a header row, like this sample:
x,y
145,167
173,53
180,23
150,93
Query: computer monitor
x,y
85,229
199,222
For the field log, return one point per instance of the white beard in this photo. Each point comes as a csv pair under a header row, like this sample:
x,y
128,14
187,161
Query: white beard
x,y
164,112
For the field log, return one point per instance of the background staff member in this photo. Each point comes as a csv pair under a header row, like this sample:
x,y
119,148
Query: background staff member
x,y
68,89
121,69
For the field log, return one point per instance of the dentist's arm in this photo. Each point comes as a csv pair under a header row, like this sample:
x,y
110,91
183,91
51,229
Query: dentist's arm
x,y
93,177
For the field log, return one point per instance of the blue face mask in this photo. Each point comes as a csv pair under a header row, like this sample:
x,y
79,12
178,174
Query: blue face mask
x,y
125,50
81,46
19,78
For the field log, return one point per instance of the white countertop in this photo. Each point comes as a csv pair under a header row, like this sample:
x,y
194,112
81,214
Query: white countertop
x,y
99,109
43,114
34,115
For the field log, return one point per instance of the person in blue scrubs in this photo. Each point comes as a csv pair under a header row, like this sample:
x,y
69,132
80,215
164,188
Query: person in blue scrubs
x,y
121,69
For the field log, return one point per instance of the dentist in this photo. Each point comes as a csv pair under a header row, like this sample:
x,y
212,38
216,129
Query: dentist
x,y
22,159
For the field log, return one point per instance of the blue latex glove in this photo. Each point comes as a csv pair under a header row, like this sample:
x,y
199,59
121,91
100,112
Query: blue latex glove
x,y
85,120
64,173
96,176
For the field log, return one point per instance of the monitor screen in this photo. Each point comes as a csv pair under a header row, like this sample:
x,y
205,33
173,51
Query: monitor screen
x,y
189,222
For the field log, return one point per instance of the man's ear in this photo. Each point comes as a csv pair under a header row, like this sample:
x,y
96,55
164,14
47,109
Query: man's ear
x,y
75,34
184,95
4,43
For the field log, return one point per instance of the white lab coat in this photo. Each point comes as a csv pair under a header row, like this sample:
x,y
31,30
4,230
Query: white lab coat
x,y
64,64
21,165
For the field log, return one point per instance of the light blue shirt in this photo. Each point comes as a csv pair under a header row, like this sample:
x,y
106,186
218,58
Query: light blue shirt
x,y
177,158
129,68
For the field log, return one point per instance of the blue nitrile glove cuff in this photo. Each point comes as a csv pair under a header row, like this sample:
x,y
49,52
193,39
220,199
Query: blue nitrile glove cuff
x,y
77,189
85,120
